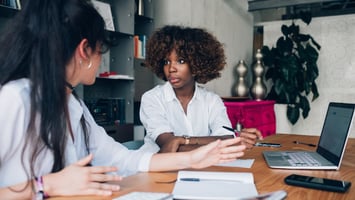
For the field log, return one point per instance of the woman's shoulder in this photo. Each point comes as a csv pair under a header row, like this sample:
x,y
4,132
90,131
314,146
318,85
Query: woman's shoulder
x,y
206,93
157,91
16,89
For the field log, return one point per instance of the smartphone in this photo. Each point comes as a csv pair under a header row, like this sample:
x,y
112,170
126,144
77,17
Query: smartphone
x,y
267,144
318,183
276,195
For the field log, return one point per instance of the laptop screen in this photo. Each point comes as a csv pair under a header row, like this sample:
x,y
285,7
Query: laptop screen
x,y
335,131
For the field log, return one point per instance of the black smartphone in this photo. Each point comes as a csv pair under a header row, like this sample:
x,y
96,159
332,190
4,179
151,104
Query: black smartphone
x,y
318,183
267,144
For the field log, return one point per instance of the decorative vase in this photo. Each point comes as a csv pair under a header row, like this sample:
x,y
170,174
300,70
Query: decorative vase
x,y
241,88
258,88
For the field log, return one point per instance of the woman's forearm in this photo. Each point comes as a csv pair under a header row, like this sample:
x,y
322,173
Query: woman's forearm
x,y
20,191
196,142
170,161
204,156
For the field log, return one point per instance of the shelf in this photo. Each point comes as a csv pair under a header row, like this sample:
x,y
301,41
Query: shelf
x,y
6,11
143,19
118,34
129,79
118,77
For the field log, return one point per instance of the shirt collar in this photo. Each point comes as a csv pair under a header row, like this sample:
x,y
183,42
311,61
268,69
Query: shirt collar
x,y
75,109
170,94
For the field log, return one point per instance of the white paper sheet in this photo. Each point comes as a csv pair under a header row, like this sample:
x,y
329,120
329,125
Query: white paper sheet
x,y
214,185
244,163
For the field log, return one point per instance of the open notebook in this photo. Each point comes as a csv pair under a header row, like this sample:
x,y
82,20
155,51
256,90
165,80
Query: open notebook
x,y
331,146
214,185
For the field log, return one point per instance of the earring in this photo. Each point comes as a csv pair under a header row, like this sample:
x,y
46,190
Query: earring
x,y
80,62
90,64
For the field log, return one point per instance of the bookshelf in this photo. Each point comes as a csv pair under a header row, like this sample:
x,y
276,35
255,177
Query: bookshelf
x,y
129,73
131,78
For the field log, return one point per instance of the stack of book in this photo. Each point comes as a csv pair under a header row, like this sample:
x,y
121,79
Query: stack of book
x,y
139,46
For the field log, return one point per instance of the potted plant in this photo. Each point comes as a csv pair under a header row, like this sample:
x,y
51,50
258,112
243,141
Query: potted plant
x,y
292,67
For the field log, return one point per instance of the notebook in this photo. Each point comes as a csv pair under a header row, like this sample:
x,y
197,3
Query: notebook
x,y
331,145
207,185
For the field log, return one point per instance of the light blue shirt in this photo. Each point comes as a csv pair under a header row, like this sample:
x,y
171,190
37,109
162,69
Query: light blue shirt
x,y
162,112
14,119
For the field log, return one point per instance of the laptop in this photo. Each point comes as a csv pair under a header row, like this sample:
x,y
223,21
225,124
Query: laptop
x,y
331,145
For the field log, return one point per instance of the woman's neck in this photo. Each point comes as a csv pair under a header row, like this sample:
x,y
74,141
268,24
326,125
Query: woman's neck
x,y
185,92
184,95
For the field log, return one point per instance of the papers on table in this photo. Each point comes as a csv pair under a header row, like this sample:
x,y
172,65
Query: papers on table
x,y
244,163
214,185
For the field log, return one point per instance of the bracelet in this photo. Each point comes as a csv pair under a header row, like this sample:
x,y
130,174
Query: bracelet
x,y
40,194
187,139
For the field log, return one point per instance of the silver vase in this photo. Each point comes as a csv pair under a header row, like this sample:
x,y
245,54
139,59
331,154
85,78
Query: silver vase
x,y
258,88
241,87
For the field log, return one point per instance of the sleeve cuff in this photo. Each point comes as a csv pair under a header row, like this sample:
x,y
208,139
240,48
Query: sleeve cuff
x,y
145,162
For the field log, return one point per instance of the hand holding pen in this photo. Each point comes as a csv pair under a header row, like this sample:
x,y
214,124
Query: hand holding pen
x,y
249,135
236,133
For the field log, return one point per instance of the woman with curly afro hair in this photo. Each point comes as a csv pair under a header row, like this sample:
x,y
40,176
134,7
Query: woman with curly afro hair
x,y
181,115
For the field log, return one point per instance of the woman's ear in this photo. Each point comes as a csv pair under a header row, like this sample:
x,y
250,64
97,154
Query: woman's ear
x,y
84,49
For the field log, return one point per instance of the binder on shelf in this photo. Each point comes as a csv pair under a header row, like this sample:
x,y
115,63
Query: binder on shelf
x,y
12,3
140,7
15,4
18,4
105,11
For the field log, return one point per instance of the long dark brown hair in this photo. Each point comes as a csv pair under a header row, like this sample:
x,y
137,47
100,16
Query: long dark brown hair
x,y
37,44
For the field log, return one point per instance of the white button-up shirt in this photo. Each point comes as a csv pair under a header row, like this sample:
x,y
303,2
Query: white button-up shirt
x,y
162,112
14,119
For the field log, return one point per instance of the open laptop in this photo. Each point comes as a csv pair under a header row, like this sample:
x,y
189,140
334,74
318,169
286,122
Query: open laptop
x,y
331,145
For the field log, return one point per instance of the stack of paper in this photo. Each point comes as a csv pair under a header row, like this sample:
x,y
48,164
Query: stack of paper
x,y
214,185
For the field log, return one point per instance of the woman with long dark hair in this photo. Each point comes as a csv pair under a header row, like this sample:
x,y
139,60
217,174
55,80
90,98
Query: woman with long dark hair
x,y
50,145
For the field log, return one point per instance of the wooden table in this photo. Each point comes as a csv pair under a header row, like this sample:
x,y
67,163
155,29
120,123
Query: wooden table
x,y
266,179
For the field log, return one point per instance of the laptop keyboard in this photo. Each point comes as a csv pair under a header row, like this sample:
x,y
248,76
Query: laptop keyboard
x,y
302,159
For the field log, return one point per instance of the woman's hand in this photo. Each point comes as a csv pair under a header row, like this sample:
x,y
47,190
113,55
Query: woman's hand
x,y
250,136
217,152
172,145
168,142
81,179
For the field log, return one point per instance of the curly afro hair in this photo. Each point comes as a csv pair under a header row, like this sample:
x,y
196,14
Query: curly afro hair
x,y
200,49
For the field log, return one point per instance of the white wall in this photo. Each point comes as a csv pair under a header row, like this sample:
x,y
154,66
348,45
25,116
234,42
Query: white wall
x,y
228,20
336,64
233,26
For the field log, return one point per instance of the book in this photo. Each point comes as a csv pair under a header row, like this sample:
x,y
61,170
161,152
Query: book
x,y
204,185
139,46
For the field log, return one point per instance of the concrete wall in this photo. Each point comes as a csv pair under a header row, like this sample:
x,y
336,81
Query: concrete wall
x,y
228,20
336,64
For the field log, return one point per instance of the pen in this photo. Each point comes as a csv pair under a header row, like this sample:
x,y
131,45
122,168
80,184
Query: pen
x,y
206,179
311,145
236,133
